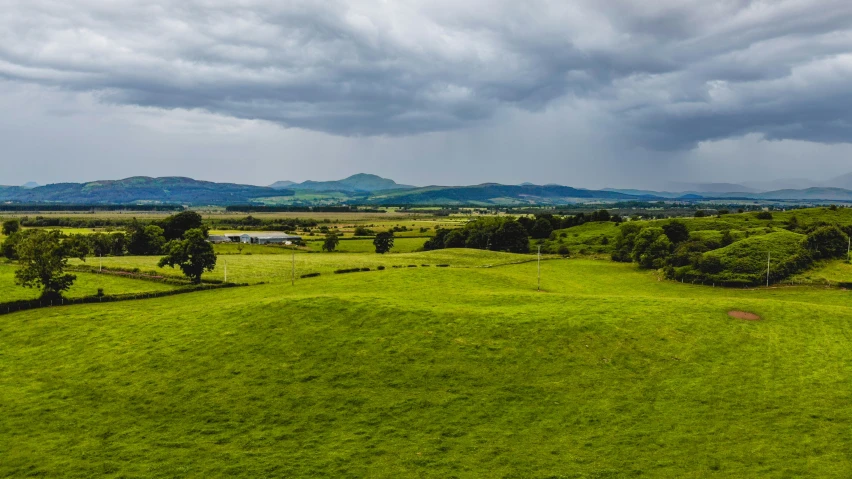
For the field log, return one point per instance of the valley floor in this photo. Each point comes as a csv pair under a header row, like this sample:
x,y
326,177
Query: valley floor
x,y
465,371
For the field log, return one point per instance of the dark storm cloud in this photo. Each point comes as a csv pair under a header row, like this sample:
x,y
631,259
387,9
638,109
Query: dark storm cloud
x,y
670,73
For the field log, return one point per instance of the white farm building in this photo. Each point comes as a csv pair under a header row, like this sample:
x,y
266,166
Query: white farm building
x,y
266,237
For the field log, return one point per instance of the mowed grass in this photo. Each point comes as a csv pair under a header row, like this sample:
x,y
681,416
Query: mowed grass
x,y
87,284
400,245
256,268
428,372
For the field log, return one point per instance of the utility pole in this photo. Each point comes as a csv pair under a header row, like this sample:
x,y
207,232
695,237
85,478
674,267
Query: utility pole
x,y
768,259
293,276
226,271
539,267
100,263
848,247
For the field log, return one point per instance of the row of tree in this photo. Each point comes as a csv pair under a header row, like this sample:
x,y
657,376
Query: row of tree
x,y
497,233
671,249
383,242
43,255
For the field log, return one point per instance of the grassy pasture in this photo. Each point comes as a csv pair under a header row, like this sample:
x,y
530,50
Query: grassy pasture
x,y
400,245
433,372
827,272
278,267
87,284
749,255
594,238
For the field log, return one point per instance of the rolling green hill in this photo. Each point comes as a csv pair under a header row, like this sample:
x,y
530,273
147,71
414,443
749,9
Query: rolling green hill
x,y
435,372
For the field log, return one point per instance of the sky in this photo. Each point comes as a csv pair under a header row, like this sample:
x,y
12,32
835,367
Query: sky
x,y
587,93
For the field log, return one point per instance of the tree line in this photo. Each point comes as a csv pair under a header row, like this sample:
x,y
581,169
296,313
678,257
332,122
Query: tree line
x,y
671,249
42,255
507,233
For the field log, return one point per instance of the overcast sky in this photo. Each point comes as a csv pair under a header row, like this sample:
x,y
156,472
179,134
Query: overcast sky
x,y
589,93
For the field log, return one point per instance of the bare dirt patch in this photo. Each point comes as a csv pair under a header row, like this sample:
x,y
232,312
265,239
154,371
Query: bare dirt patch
x,y
744,315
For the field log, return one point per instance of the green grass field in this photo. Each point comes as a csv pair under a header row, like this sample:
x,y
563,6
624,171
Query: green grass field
x,y
435,372
826,272
400,245
87,284
278,267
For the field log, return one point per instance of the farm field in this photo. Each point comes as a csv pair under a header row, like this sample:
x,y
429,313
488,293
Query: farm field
x,y
256,268
400,245
435,372
87,284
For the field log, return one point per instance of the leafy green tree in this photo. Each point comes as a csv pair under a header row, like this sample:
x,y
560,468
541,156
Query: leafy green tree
x,y
437,241
541,229
455,239
383,242
727,238
77,246
651,248
710,264
827,242
330,243
676,231
10,245
479,238
148,240
363,231
11,227
43,256
175,226
118,245
700,214
512,237
193,254
625,242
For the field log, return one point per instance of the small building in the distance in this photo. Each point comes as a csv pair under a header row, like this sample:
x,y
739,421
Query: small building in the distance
x,y
266,237
217,239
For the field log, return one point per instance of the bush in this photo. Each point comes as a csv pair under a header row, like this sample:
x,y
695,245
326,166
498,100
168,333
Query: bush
x,y
347,270
310,275
827,242
764,215
381,268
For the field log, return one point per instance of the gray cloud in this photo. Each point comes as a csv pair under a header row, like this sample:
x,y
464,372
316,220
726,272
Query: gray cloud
x,y
670,73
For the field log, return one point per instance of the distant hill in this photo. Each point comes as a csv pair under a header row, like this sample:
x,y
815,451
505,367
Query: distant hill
x,y
30,184
279,185
360,183
828,194
493,193
142,189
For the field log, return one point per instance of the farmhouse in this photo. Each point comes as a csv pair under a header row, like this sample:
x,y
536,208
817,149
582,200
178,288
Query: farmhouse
x,y
267,237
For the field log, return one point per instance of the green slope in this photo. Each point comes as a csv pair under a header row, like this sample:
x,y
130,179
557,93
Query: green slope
x,y
428,372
